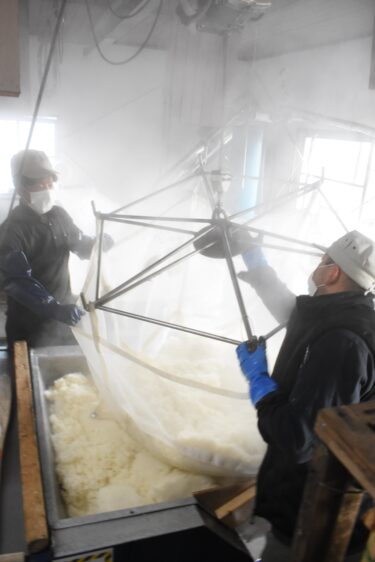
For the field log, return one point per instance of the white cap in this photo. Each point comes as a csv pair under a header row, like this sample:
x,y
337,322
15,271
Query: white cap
x,y
33,164
354,253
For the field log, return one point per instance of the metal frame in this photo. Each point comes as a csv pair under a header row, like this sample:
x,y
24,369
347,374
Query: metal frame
x,y
219,221
194,162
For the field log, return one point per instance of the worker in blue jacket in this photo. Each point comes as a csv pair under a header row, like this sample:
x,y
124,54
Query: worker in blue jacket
x,y
327,359
35,242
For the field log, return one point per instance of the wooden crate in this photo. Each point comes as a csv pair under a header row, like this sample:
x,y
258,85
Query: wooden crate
x,y
342,468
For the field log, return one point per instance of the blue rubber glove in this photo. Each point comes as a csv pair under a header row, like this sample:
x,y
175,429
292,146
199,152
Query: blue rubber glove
x,y
22,287
254,258
254,366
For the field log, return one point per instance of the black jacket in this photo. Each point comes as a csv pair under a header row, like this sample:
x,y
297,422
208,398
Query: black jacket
x,y
46,240
327,359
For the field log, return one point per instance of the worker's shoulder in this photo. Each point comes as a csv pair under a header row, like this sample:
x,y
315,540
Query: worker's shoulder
x,y
342,338
60,214
17,218
59,210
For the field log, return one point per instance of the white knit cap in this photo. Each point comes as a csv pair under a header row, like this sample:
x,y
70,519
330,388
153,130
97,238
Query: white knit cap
x,y
354,253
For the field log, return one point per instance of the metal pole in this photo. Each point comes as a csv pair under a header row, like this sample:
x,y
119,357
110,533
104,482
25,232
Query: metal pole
x,y
110,216
279,236
152,225
207,186
161,190
223,225
365,186
42,86
169,325
333,210
101,227
280,201
128,285
116,290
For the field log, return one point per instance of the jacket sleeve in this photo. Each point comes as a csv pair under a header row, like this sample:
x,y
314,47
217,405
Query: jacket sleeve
x,y
18,282
338,369
78,243
276,296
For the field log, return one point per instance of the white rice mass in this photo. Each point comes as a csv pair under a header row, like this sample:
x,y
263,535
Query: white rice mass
x,y
103,463
99,466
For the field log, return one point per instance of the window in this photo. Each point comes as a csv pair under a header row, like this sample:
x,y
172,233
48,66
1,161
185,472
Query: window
x,y
13,137
343,161
345,164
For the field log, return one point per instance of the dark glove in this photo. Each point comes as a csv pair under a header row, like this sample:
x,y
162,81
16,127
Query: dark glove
x,y
22,287
254,366
107,242
69,314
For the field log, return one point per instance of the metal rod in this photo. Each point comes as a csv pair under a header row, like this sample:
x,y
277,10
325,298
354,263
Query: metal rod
x,y
275,331
331,180
110,216
184,328
223,226
279,236
109,296
292,250
333,210
268,207
137,280
280,201
151,225
42,86
128,285
101,228
207,185
169,325
149,195
365,186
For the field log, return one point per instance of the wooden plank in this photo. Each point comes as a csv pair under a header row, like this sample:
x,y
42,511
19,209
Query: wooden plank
x,y
12,557
351,438
5,403
36,529
9,49
235,503
327,513
216,497
369,519
344,524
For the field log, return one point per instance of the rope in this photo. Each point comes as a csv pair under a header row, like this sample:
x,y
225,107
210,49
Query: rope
x,y
127,16
137,52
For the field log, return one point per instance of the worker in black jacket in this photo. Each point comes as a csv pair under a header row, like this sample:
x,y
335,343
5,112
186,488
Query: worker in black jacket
x,y
327,359
35,242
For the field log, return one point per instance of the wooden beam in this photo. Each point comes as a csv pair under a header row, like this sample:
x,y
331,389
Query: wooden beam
x,y
9,49
228,503
328,511
36,529
349,433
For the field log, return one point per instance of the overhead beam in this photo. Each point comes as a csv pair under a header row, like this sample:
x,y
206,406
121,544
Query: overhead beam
x,y
9,49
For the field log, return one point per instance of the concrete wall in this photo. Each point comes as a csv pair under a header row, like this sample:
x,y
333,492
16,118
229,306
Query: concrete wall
x,y
113,122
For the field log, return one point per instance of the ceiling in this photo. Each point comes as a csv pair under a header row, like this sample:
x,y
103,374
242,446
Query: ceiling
x,y
287,26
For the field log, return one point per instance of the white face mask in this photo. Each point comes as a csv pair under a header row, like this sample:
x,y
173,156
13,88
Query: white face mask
x,y
42,201
312,287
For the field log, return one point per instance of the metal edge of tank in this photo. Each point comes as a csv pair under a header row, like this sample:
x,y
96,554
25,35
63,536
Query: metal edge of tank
x,y
47,365
72,535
